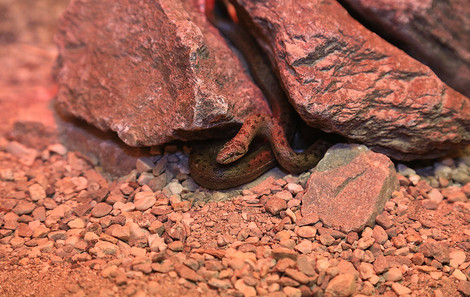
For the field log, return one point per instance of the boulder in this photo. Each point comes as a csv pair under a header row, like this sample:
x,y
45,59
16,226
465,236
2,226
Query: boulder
x,y
345,79
153,71
434,32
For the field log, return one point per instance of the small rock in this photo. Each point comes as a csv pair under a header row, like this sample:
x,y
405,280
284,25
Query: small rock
x,y
394,274
76,223
435,195
220,283
187,273
36,192
341,192
57,148
379,234
247,291
341,285
280,253
304,247
436,250
365,243
400,289
101,209
144,200
24,207
326,239
306,232
457,257
366,270
274,205
458,274
292,292
464,288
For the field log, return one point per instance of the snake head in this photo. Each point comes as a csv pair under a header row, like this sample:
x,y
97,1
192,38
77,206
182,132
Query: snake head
x,y
232,151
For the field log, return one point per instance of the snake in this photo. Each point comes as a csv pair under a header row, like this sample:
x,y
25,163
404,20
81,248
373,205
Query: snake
x,y
263,139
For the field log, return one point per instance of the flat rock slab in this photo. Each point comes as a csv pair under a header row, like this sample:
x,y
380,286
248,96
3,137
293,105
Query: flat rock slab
x,y
349,187
153,71
345,79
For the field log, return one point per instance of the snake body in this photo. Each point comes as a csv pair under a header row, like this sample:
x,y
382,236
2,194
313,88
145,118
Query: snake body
x,y
221,164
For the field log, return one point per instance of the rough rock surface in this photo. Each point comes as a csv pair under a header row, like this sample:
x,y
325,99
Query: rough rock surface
x,y
435,32
349,187
345,79
151,71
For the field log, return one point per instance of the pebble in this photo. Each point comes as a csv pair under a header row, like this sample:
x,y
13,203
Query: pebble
x,y
36,192
399,289
341,285
306,232
394,274
101,209
275,205
457,258
24,207
144,200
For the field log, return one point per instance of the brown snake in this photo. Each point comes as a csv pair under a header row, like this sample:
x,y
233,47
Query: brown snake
x,y
221,164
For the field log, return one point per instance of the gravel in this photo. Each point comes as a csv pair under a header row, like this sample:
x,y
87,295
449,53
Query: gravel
x,y
246,242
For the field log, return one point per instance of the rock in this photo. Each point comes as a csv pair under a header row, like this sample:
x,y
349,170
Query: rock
x,y
187,273
57,148
366,270
246,290
394,274
292,292
305,265
457,257
464,287
77,223
400,289
116,159
355,83
104,249
427,31
436,250
36,192
297,275
384,220
458,274
24,230
159,60
379,234
274,205
101,209
24,207
349,187
220,283
307,232
25,155
280,253
144,200
341,285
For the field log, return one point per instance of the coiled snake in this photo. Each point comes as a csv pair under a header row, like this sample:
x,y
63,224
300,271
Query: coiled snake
x,y
221,164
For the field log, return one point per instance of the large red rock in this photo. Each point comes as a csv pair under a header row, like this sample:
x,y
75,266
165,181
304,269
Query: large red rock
x,y
345,79
152,70
349,187
435,32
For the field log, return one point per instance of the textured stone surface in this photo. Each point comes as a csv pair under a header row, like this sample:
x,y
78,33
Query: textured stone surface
x,y
435,32
151,71
349,187
345,79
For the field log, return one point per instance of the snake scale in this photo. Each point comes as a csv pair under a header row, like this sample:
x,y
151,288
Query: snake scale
x,y
220,164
